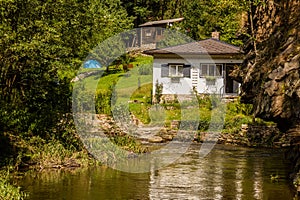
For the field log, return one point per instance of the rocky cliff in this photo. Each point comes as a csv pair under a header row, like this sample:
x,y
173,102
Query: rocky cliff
x,y
270,75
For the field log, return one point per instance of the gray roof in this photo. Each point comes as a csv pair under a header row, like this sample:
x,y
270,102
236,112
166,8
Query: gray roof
x,y
152,23
209,46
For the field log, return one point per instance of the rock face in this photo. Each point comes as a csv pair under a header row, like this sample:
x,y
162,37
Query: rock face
x,y
270,75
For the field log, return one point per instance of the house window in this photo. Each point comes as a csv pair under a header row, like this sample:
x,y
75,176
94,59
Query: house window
x,y
211,70
175,70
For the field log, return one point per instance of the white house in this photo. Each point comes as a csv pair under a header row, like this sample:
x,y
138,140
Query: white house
x,y
203,66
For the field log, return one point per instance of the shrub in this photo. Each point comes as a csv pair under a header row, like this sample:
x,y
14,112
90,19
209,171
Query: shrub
x,y
8,190
145,69
158,91
103,102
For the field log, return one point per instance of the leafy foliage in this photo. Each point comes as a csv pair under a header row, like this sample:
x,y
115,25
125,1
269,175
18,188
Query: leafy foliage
x,y
42,46
236,115
158,91
204,17
172,38
141,103
200,17
145,69
9,191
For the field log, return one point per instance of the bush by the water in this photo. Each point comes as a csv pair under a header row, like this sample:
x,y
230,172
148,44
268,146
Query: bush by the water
x,y
8,190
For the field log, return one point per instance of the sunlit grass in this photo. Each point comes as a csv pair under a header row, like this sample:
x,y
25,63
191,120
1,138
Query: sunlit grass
x,y
141,103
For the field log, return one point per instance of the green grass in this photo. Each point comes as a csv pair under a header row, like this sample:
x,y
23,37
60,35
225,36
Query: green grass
x,y
101,82
142,59
124,85
129,143
236,115
141,103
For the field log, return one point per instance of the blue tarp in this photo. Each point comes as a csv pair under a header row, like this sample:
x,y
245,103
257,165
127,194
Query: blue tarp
x,y
91,64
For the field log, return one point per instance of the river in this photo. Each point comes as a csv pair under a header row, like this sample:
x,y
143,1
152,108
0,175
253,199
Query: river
x,y
226,173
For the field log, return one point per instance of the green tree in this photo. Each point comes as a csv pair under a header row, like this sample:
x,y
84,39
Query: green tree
x,y
142,10
43,43
204,17
201,17
149,10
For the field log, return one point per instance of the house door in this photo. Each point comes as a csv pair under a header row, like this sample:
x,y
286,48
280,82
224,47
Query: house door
x,y
231,86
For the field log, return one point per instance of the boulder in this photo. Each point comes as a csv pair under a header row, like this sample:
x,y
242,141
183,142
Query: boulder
x,y
167,137
155,139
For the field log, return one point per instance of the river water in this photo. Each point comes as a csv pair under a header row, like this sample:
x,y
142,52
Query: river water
x,y
226,173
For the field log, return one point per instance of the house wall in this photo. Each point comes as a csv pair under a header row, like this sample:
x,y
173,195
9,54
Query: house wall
x,y
185,85
182,87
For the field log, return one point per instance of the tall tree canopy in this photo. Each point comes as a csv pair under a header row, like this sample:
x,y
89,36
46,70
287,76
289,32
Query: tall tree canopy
x,y
204,17
42,45
201,17
44,42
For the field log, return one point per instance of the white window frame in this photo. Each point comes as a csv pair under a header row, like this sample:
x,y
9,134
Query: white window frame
x,y
209,72
177,71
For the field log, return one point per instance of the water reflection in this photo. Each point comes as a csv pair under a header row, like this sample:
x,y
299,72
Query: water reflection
x,y
226,173
241,166
93,183
258,182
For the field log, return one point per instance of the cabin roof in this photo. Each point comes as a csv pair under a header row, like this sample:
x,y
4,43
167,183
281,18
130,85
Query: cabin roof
x,y
208,46
166,21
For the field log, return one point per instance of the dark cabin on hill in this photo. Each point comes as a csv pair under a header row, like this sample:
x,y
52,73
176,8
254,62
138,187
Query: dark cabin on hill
x,y
153,31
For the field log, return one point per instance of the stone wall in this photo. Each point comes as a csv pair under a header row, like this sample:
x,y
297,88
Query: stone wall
x,y
252,136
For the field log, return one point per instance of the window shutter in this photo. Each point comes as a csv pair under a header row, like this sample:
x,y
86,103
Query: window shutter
x,y
164,70
187,71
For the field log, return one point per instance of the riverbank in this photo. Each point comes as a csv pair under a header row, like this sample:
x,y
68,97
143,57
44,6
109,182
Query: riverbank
x,y
44,155
293,154
247,135
35,153
8,189
252,136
